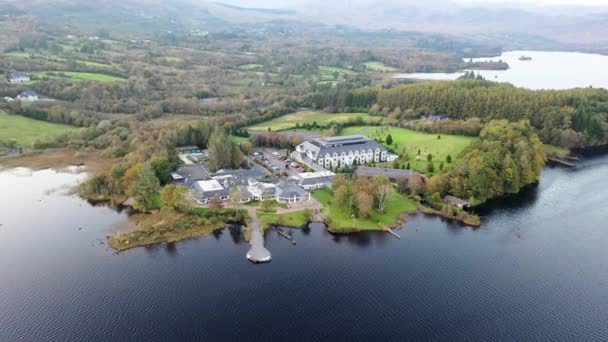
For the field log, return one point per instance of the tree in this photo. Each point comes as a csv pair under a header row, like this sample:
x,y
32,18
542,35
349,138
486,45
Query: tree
x,y
415,184
340,195
389,139
448,159
429,157
383,190
235,197
364,204
162,169
222,151
441,166
339,181
145,189
174,196
408,166
246,147
430,167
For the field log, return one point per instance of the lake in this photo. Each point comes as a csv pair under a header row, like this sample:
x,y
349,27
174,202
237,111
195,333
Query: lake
x,y
536,270
546,70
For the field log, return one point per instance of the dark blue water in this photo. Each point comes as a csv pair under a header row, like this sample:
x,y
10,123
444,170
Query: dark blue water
x,y
536,270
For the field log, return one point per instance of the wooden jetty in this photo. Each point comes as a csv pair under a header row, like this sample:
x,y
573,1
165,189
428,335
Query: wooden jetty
x,y
390,231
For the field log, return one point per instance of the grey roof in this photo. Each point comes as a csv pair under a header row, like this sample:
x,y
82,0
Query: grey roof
x,y
245,194
192,173
241,177
390,173
223,192
320,147
287,189
456,200
28,93
17,74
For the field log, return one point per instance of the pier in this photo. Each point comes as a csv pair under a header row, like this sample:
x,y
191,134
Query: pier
x,y
258,253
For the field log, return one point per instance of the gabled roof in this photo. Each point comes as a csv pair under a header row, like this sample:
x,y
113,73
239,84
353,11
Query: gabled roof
x,y
210,188
28,93
287,189
377,171
192,173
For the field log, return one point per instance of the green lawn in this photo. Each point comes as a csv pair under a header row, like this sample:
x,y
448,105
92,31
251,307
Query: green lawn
x,y
82,76
341,220
25,54
289,121
25,130
252,67
295,219
555,151
413,141
379,67
238,140
333,70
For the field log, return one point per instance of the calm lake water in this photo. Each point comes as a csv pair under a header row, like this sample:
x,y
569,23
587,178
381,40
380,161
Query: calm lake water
x,y
546,70
536,270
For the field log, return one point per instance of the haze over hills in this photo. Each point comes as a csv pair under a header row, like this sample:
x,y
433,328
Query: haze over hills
x,y
514,25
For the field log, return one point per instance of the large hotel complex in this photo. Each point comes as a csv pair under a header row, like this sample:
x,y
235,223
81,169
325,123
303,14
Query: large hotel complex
x,y
341,151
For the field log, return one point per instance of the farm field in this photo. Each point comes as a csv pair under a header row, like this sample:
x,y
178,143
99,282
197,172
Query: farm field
x,y
25,130
82,76
412,141
289,121
332,70
378,67
25,54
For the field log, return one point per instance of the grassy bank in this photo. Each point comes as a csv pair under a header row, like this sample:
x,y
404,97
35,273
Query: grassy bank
x,y
172,227
25,130
295,219
289,121
340,219
556,152
412,141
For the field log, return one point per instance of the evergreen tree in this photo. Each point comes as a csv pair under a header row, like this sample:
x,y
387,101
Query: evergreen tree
x,y
389,139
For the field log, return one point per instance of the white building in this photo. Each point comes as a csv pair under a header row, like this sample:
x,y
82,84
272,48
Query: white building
x,y
18,77
314,180
341,151
206,190
28,95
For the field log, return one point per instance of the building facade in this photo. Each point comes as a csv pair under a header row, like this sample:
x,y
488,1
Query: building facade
x,y
341,151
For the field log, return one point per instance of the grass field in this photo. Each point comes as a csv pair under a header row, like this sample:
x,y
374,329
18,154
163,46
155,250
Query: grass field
x,y
341,220
81,76
289,121
296,219
252,67
24,54
333,70
25,130
553,151
378,67
413,141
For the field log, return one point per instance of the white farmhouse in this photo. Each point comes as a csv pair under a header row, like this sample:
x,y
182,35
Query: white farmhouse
x,y
341,151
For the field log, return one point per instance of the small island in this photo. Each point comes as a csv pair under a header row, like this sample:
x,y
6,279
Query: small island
x,y
486,65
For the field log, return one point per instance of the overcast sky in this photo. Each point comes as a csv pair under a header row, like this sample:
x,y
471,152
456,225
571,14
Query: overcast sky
x,y
295,3
539,2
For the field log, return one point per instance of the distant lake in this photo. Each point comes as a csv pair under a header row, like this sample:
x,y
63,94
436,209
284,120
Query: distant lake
x,y
546,70
536,270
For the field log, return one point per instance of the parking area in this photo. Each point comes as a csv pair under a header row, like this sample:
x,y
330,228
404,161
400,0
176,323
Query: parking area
x,y
277,161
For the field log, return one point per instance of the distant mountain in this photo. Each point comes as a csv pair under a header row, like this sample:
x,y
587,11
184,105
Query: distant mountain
x,y
516,26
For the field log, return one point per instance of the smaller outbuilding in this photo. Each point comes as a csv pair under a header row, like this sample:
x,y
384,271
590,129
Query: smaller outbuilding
x,y
28,95
459,202
314,180
392,174
188,174
206,190
17,77
188,150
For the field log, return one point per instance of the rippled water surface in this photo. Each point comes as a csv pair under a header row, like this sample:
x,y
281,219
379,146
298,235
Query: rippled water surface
x,y
536,270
